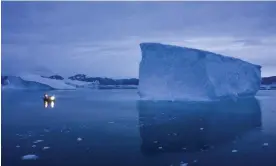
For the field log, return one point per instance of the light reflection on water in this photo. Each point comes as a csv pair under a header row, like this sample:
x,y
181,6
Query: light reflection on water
x,y
46,104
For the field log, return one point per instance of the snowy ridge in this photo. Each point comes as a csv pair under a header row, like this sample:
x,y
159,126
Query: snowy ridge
x,y
177,73
30,81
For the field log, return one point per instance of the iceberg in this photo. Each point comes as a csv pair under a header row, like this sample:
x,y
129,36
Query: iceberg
x,y
31,81
168,72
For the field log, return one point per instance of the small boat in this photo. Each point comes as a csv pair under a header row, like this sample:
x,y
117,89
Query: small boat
x,y
48,98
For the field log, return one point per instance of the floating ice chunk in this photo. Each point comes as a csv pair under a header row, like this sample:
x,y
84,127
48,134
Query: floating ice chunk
x,y
265,144
33,146
29,157
18,146
37,141
155,142
234,151
46,147
79,139
183,164
46,130
111,122
160,147
195,161
201,128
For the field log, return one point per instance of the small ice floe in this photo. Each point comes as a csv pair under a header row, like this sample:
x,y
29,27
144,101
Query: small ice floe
x,y
37,141
110,122
175,134
46,147
155,142
265,144
79,139
46,130
33,146
184,148
234,151
201,128
29,157
183,164
160,147
17,146
195,161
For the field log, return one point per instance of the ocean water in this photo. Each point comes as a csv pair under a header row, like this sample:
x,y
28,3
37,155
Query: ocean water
x,y
114,128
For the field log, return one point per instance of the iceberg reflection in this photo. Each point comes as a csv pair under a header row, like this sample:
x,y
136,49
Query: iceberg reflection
x,y
192,127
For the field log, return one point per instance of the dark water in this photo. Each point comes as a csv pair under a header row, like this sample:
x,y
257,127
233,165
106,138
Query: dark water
x,y
117,129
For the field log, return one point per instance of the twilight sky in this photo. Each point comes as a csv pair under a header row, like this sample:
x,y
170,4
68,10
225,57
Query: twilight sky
x,y
102,38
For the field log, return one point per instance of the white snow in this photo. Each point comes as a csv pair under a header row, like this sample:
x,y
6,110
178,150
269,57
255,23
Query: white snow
x,y
29,157
79,139
76,83
177,73
55,84
30,81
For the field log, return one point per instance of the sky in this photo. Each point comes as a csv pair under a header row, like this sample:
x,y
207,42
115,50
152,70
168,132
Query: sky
x,y
102,38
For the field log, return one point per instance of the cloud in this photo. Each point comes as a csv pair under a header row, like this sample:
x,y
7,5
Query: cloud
x,y
102,38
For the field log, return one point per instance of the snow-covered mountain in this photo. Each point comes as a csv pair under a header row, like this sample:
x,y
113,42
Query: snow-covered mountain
x,y
31,81
104,80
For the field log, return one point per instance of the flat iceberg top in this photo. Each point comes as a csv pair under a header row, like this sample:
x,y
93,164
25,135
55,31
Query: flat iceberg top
x,y
163,47
177,73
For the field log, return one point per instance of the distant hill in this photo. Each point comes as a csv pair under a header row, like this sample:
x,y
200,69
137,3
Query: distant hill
x,y
110,81
56,77
268,80
104,80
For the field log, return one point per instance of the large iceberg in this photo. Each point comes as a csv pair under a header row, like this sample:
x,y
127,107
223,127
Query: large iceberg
x,y
177,73
31,81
